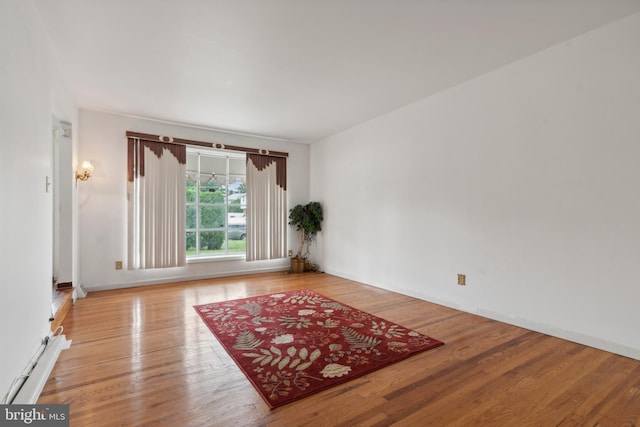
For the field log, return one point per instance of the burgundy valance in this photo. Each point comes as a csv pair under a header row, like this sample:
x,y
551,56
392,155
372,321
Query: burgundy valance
x,y
261,161
135,155
218,146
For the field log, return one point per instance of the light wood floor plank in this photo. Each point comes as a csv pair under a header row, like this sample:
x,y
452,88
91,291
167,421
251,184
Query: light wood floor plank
x,y
142,356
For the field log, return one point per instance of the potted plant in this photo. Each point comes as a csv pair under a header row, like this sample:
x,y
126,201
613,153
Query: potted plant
x,y
308,220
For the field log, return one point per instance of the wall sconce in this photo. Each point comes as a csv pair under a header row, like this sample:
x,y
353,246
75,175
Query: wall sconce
x,y
85,171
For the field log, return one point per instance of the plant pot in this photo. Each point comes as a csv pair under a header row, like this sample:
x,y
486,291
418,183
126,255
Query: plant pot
x,y
297,265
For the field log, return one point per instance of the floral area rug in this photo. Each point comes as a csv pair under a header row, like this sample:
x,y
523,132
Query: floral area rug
x,y
293,344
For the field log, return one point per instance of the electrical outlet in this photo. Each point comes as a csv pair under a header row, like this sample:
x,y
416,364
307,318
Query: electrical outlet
x,y
462,280
118,265
290,252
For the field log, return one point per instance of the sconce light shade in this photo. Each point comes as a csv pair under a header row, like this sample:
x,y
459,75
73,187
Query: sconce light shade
x,y
85,171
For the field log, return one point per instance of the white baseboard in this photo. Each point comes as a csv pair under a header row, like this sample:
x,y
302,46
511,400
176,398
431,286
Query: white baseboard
x,y
32,387
78,292
551,330
184,279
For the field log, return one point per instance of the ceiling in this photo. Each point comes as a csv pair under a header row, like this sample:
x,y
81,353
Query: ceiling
x,y
295,69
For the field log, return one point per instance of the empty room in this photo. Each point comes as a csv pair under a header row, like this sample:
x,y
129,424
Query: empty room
x,y
320,213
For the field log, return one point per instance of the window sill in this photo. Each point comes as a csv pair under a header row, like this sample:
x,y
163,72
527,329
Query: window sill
x,y
235,257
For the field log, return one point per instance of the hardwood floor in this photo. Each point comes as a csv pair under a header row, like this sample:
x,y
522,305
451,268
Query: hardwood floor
x,y
142,356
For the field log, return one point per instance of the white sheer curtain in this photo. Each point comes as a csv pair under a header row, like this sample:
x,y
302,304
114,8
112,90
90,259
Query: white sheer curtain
x,y
266,207
156,193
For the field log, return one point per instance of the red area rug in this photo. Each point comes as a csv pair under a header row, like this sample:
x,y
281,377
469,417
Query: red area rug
x,y
293,344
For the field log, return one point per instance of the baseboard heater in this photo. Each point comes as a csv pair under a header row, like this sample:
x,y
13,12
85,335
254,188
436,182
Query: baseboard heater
x,y
32,387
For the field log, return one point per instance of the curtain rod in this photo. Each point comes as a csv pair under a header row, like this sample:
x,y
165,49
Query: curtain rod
x,y
179,141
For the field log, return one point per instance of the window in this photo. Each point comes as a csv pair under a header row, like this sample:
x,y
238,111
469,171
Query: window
x,y
216,204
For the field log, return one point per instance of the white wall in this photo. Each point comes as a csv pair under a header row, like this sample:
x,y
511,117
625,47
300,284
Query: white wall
x,y
103,201
31,92
525,179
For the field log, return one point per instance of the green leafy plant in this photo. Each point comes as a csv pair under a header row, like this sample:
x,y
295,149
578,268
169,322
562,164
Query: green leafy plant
x,y
211,240
308,220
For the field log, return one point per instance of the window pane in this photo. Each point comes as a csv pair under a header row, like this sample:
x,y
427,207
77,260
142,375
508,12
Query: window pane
x,y
212,191
212,216
192,161
237,231
237,246
191,243
237,166
215,165
191,191
211,242
237,194
235,206
191,216
237,184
